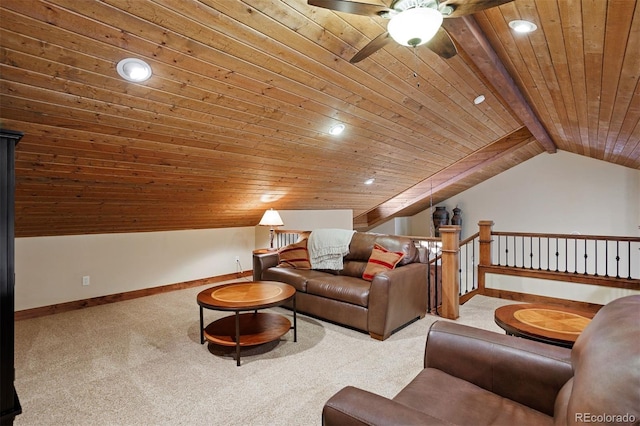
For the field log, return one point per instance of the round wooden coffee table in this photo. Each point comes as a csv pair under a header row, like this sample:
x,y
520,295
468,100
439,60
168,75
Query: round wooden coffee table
x,y
247,329
544,323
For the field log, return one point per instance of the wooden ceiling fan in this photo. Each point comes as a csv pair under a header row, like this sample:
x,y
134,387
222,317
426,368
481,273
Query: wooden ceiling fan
x,y
411,22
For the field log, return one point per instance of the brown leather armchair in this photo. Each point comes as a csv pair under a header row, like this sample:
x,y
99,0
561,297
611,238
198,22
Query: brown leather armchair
x,y
476,377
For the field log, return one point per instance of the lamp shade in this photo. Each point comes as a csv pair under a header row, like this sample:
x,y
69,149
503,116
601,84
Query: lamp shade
x,y
416,26
271,218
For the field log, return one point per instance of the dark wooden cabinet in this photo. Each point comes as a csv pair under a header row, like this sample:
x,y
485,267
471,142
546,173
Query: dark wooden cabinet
x,y
9,402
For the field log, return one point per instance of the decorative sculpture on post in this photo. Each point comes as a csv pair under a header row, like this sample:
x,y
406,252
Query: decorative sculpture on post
x,y
440,217
456,219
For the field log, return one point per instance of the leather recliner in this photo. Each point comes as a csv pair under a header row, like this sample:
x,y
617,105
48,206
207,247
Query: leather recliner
x,y
477,377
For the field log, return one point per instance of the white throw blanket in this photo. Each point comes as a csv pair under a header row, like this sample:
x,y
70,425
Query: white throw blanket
x,y
327,247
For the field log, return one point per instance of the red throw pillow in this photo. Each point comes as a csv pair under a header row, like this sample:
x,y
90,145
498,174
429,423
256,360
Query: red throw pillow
x,y
381,260
295,256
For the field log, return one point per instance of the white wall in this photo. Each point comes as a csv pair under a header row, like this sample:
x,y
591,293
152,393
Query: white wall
x,y
551,193
389,227
49,270
554,193
397,226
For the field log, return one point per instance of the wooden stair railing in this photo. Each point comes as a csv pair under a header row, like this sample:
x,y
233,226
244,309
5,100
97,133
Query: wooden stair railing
x,y
469,252
450,271
598,260
284,237
446,264
608,261
430,250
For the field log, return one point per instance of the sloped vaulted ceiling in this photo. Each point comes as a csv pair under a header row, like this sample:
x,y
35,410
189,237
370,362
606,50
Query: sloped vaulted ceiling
x,y
236,116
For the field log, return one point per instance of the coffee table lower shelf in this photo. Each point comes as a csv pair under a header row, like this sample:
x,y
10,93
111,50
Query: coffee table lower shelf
x,y
248,329
254,329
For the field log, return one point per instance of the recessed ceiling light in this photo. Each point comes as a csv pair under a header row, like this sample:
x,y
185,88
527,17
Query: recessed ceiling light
x,y
369,181
132,69
522,26
479,100
337,129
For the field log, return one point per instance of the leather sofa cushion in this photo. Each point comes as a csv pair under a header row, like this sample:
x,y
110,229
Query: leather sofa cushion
x,y
295,277
362,243
401,244
361,246
343,288
459,402
353,268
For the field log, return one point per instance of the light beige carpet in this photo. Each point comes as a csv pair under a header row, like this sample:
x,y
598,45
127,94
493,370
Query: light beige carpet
x,y
140,362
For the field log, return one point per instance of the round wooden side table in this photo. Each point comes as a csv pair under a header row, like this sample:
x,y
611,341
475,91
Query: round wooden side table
x,y
544,323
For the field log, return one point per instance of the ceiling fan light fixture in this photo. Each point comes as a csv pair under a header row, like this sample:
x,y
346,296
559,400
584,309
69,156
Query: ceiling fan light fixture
x,y
415,26
133,69
522,26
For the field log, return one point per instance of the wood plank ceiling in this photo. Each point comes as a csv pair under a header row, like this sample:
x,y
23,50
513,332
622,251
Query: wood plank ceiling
x,y
237,114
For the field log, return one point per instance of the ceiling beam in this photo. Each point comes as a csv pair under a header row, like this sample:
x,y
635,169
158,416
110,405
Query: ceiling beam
x,y
419,196
466,31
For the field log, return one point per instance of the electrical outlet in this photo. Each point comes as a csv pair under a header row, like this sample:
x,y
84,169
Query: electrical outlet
x,y
86,280
237,258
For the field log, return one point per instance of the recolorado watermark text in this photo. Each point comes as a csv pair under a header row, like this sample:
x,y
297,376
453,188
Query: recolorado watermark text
x,y
605,418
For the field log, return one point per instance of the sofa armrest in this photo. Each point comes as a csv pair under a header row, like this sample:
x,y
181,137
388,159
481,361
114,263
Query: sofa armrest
x,y
262,261
522,370
396,297
352,406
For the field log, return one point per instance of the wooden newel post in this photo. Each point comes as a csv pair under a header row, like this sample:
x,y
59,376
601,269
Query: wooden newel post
x,y
485,239
450,271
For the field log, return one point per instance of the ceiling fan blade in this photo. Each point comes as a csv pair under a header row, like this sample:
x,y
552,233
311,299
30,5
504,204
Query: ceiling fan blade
x,y
356,8
442,44
469,7
373,46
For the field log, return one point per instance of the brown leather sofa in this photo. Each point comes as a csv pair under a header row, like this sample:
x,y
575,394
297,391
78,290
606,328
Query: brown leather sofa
x,y
476,377
379,307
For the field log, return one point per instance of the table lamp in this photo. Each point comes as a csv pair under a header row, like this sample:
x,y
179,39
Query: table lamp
x,y
272,219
